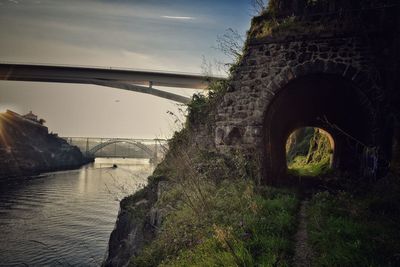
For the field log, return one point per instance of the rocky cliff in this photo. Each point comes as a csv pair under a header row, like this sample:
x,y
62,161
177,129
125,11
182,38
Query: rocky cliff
x,y
27,148
137,223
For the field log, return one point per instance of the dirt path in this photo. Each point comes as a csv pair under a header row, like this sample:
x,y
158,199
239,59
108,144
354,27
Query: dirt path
x,y
302,252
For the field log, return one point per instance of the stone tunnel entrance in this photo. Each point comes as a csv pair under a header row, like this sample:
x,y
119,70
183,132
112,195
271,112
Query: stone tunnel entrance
x,y
328,102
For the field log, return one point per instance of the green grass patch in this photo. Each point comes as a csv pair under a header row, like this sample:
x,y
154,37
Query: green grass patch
x,y
234,225
299,168
356,230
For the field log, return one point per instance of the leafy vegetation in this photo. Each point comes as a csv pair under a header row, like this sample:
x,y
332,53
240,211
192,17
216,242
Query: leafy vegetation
x,y
268,25
274,21
300,168
309,152
232,225
355,228
201,107
311,17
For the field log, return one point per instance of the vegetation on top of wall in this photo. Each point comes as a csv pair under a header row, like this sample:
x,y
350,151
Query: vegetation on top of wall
x,y
286,27
272,22
201,106
316,17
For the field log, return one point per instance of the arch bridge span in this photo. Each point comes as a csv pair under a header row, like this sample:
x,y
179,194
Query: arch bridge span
x,y
100,146
153,149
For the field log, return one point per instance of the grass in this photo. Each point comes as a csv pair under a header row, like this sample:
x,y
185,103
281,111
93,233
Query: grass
x,y
215,215
357,229
213,212
241,226
269,25
277,22
298,167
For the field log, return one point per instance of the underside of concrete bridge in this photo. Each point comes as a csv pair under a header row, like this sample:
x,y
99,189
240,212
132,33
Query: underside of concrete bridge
x,y
125,79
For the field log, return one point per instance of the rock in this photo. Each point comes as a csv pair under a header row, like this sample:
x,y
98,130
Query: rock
x,y
26,148
137,223
129,235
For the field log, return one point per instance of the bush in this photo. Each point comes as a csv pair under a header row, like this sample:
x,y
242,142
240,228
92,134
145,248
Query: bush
x,y
201,106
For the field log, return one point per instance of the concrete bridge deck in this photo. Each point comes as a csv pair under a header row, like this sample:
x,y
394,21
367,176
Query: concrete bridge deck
x,y
126,79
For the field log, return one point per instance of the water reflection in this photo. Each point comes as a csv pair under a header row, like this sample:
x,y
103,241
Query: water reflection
x,y
65,218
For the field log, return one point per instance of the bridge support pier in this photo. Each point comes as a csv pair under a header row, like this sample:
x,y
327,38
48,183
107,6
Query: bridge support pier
x,y
87,146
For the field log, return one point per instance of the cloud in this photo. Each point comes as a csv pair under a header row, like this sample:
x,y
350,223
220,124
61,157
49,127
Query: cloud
x,y
177,17
168,35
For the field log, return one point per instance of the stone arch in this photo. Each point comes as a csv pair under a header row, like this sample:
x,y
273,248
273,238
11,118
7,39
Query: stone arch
x,y
319,96
366,81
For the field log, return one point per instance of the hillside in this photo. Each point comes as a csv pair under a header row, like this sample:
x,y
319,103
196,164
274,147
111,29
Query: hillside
x,y
226,193
26,148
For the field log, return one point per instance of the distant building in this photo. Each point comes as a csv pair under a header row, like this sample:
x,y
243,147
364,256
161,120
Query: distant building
x,y
31,116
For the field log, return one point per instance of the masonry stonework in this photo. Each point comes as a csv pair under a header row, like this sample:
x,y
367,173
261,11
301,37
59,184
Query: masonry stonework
x,y
270,64
267,67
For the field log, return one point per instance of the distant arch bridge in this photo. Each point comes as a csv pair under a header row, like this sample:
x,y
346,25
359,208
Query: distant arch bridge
x,y
152,149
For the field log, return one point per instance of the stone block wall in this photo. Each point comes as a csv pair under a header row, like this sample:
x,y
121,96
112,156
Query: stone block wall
x,y
270,64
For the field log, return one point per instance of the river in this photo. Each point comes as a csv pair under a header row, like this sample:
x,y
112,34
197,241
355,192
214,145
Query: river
x,y
65,218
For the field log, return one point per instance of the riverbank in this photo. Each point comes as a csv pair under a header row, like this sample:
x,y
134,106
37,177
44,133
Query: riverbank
x,y
27,149
34,175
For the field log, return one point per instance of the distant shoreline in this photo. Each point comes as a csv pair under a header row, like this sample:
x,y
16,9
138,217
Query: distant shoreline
x,y
34,174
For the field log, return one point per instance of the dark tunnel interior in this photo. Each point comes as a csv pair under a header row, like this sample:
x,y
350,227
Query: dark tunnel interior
x,y
328,102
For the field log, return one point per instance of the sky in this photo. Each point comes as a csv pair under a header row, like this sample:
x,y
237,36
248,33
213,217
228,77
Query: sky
x,y
165,35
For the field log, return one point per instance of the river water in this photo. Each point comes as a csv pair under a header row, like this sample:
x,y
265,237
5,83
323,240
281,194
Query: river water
x,y
65,218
